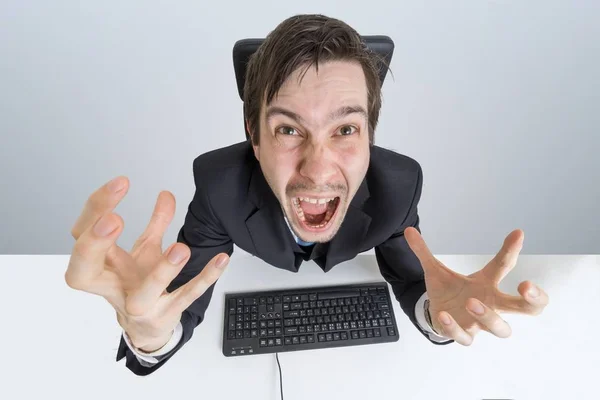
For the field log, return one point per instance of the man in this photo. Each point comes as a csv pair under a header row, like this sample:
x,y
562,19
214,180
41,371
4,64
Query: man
x,y
310,185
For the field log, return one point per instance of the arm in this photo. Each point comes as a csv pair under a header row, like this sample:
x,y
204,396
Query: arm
x,y
401,268
204,235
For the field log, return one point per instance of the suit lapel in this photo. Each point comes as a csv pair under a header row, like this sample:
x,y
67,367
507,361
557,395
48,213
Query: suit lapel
x,y
272,239
348,240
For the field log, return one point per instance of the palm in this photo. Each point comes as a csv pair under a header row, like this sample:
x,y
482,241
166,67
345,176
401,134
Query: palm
x,y
450,292
126,271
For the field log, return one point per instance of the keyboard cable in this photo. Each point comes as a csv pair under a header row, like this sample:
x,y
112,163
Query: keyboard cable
x,y
280,375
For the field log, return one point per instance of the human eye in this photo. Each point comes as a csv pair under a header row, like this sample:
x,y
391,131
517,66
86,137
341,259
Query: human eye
x,y
287,130
347,130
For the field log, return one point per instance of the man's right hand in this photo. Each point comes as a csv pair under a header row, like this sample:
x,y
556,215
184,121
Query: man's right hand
x,y
135,283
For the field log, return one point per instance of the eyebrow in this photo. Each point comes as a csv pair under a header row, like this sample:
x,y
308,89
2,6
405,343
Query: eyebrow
x,y
335,115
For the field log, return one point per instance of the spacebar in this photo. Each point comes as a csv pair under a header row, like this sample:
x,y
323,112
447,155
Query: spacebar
x,y
338,294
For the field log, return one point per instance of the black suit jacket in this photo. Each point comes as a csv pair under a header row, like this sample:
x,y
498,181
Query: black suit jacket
x,y
234,204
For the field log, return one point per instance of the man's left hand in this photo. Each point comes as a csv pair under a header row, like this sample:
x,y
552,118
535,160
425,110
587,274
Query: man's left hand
x,y
456,298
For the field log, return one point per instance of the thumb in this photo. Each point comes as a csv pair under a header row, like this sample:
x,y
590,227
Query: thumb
x,y
419,247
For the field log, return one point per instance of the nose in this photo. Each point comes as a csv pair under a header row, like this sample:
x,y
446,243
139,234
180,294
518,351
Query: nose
x,y
318,165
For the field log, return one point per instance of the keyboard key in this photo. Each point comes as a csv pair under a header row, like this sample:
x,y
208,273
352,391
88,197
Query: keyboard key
x,y
310,338
312,297
304,297
247,334
295,340
291,330
354,334
254,333
296,297
321,337
383,306
362,334
271,324
302,339
329,337
239,334
391,331
262,301
296,306
277,299
287,299
250,301
344,335
369,333
278,331
263,342
336,336
270,342
389,322
291,314
377,332
287,340
271,332
278,341
270,300
231,335
240,302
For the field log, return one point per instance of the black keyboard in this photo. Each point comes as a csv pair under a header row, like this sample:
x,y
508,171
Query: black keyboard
x,y
308,318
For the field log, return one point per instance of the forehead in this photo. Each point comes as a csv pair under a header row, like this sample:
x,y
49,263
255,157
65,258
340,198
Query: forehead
x,y
335,83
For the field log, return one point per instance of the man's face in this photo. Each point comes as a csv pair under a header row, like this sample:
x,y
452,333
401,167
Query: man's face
x,y
314,146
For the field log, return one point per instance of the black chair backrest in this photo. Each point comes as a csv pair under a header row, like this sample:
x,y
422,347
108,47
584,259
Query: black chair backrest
x,y
243,49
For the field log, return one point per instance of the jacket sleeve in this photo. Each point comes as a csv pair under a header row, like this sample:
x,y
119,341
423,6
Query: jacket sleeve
x,y
399,265
206,238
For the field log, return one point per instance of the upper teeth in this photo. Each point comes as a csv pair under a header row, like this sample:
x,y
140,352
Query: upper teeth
x,y
315,201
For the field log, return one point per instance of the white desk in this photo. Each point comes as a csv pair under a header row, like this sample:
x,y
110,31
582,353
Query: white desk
x,y
62,343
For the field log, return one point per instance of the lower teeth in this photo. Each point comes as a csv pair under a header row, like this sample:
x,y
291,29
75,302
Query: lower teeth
x,y
300,213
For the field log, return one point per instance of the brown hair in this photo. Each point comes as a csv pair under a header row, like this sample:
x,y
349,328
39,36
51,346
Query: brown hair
x,y
304,40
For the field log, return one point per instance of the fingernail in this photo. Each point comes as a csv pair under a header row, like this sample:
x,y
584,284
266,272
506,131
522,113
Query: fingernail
x,y
116,185
445,319
477,308
105,226
176,255
221,261
533,292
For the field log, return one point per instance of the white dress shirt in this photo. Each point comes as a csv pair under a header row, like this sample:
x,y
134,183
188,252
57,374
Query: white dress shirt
x,y
149,359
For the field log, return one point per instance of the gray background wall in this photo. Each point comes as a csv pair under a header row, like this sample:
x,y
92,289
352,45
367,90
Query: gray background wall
x,y
498,101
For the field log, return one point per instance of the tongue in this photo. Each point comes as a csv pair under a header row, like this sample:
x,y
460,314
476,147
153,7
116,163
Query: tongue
x,y
314,209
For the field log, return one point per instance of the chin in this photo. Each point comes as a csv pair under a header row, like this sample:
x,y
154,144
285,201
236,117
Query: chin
x,y
315,218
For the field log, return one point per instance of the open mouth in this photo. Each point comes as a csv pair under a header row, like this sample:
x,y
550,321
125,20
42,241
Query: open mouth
x,y
315,213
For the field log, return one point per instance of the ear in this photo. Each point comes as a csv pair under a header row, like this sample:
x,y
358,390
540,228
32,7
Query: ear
x,y
254,146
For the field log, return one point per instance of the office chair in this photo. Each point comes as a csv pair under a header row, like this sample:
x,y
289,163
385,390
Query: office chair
x,y
244,48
